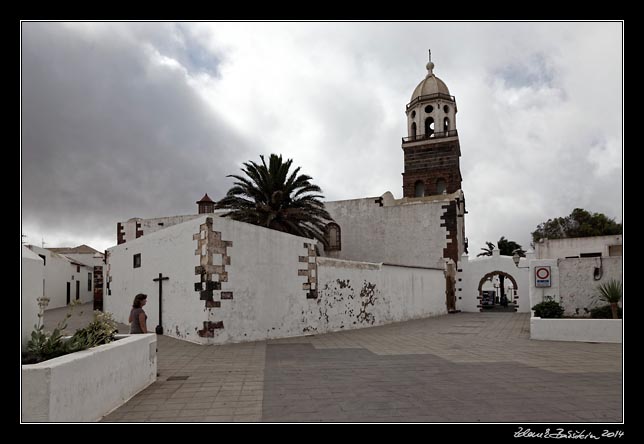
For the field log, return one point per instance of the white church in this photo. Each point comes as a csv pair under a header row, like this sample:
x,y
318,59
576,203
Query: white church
x,y
214,280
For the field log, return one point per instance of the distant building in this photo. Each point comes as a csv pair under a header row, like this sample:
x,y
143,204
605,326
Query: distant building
x,y
578,247
32,288
68,278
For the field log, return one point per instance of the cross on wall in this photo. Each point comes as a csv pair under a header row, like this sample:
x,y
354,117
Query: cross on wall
x,y
160,279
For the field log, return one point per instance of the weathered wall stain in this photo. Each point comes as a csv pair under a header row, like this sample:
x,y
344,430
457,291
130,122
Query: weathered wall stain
x,y
367,297
336,302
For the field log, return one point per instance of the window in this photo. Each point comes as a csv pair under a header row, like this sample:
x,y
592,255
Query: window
x,y
419,189
333,237
413,114
441,187
446,124
137,260
614,250
89,281
446,109
413,129
77,268
590,255
44,259
429,109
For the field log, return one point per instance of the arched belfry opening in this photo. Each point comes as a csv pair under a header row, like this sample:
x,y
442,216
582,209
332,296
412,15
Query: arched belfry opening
x,y
429,127
498,291
419,188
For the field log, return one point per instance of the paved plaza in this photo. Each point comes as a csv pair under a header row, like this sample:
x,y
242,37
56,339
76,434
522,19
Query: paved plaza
x,y
463,367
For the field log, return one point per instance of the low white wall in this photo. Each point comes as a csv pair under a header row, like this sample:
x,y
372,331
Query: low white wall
x,y
86,385
578,282
583,330
359,294
31,280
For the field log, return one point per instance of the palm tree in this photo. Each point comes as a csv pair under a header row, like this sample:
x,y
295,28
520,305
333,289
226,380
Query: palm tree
x,y
486,251
508,247
272,198
611,293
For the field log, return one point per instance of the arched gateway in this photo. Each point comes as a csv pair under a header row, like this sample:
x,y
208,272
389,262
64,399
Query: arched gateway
x,y
513,298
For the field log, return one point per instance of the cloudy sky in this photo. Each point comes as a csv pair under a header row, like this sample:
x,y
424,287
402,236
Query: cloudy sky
x,y
123,120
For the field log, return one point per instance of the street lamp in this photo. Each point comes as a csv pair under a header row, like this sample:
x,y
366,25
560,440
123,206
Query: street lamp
x,y
516,258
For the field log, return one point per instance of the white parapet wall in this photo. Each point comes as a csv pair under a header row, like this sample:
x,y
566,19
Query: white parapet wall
x,y
580,330
86,385
360,294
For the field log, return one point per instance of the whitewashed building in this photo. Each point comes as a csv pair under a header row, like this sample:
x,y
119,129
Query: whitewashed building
x,y
86,255
578,247
31,288
216,280
66,279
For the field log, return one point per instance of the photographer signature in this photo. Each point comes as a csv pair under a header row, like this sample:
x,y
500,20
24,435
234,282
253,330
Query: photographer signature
x,y
566,434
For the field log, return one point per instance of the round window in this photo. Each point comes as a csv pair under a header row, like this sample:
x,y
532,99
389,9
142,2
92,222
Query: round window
x,y
446,109
429,109
413,114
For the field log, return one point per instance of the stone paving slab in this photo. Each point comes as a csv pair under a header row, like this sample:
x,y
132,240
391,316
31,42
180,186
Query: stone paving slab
x,y
464,367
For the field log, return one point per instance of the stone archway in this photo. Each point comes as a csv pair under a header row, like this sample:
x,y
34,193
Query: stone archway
x,y
514,296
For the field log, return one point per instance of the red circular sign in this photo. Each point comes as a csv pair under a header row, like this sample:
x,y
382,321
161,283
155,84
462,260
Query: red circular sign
x,y
543,273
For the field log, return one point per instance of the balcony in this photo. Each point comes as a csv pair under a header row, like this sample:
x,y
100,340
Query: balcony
x,y
418,137
430,97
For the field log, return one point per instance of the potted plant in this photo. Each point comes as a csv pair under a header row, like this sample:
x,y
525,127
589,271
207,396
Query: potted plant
x,y
611,293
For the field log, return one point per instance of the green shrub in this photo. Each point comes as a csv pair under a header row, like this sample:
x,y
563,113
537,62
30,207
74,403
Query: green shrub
x,y
610,292
604,312
101,330
44,346
548,309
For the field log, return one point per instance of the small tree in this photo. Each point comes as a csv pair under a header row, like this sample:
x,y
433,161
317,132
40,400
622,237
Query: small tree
x,y
611,293
580,223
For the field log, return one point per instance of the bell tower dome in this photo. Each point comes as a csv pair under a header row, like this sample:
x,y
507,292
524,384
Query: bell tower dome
x,y
431,148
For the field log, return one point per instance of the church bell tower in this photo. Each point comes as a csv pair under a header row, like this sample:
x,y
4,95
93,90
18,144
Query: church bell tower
x,y
431,148
432,154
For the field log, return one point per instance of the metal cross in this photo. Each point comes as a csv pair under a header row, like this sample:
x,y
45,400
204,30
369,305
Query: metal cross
x,y
160,279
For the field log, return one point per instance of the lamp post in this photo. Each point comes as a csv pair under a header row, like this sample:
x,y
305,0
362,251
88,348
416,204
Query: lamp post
x,y
516,258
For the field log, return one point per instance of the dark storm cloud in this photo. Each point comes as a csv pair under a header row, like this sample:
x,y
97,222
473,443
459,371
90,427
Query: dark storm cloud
x,y
109,132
